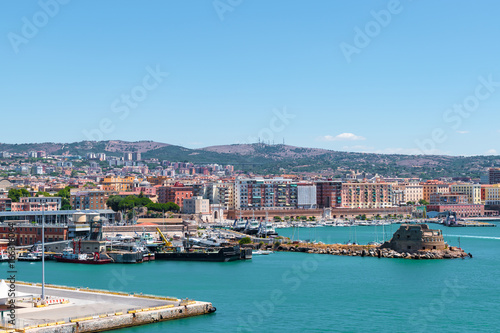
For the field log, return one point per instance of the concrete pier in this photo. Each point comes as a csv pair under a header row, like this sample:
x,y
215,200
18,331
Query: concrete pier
x,y
83,310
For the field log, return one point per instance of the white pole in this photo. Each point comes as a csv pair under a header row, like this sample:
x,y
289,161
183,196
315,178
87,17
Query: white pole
x,y
43,251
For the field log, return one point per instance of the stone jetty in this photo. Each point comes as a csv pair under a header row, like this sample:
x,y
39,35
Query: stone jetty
x,y
410,241
371,251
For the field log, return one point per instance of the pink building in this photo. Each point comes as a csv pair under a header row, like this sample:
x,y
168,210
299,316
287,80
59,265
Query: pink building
x,y
27,206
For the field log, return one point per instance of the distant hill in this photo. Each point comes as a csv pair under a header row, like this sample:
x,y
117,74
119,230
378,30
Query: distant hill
x,y
263,158
111,147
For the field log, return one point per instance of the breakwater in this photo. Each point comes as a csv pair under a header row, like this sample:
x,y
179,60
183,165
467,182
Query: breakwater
x,y
371,251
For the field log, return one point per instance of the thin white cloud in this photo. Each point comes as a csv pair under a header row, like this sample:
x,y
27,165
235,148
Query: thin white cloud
x,y
463,132
342,137
491,152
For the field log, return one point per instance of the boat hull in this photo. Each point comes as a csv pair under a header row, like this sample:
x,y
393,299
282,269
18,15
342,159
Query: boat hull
x,y
29,259
223,255
89,262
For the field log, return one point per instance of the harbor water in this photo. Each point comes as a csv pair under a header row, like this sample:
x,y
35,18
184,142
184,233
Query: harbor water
x,y
299,292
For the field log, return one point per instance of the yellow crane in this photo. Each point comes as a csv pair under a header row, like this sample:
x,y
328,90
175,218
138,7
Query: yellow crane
x,y
165,240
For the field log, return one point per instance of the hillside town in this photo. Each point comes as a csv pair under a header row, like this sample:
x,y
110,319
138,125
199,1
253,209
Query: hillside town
x,y
125,190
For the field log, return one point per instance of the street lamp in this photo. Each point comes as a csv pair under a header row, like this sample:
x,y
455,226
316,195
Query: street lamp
x,y
43,250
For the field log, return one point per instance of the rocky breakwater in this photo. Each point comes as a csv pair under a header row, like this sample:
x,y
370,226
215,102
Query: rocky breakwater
x,y
372,251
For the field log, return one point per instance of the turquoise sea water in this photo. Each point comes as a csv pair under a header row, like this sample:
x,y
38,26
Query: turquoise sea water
x,y
298,292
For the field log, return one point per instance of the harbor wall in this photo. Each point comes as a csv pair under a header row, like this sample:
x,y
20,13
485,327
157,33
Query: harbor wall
x,y
333,213
139,229
132,318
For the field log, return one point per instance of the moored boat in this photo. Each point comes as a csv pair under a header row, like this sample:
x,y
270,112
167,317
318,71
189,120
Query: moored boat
x,y
30,256
224,254
82,258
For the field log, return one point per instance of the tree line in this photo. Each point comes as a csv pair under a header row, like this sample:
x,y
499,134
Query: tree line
x,y
118,203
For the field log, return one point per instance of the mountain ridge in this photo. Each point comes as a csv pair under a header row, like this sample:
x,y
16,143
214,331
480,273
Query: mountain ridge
x,y
259,157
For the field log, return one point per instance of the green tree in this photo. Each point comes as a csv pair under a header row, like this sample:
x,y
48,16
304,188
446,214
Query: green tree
x,y
423,202
65,192
245,240
113,202
65,204
15,194
163,207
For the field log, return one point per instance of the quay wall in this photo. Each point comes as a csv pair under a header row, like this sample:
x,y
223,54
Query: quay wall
x,y
139,229
132,318
334,213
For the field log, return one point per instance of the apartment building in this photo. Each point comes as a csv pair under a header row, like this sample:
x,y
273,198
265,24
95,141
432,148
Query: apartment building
x,y
494,176
221,194
5,205
176,194
196,205
37,204
413,192
260,193
472,191
119,184
328,194
366,195
434,186
490,194
92,199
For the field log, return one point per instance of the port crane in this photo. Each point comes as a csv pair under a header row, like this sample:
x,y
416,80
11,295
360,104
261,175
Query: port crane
x,y
166,242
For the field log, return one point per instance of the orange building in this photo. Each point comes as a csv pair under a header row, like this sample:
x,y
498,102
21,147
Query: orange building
x,y
119,184
434,187
159,180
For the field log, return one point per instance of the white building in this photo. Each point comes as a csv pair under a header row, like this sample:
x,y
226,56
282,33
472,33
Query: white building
x,y
196,205
306,196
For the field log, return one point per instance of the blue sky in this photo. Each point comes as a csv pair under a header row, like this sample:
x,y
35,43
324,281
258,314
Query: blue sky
x,y
372,76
